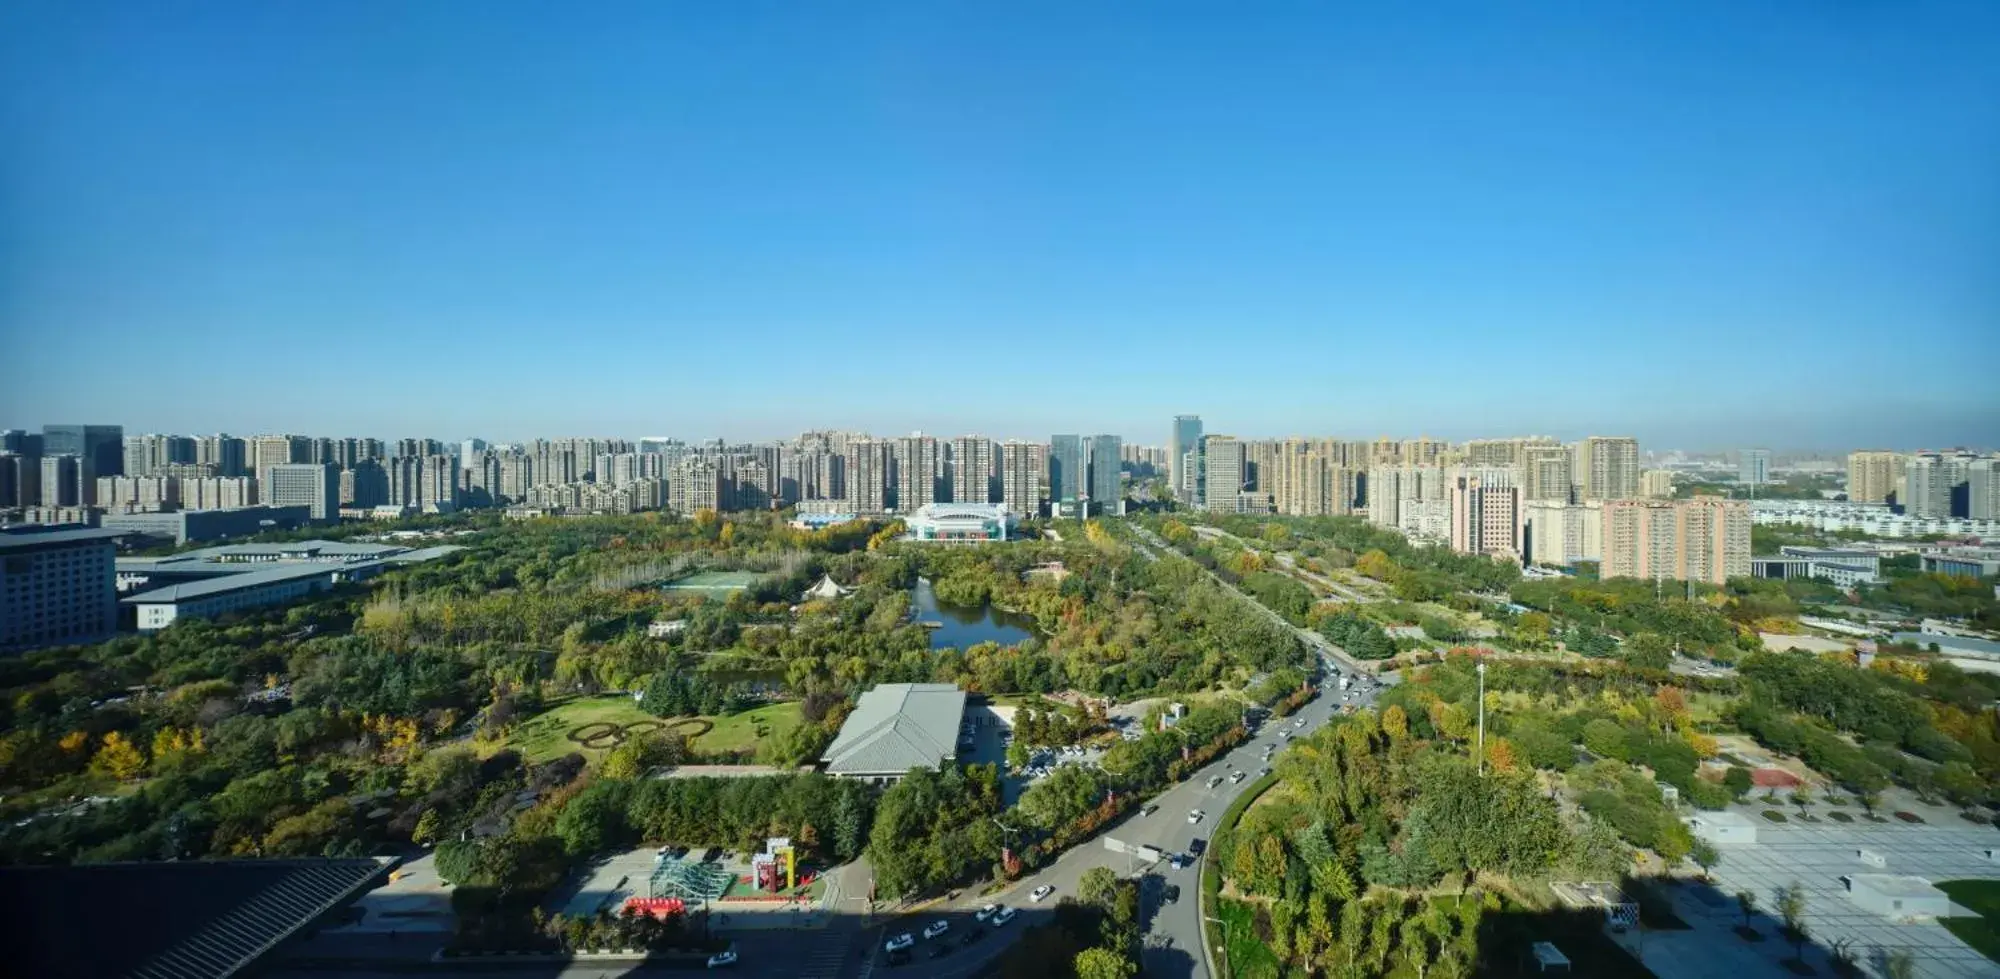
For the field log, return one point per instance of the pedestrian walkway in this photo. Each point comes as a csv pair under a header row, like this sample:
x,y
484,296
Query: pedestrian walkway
x,y
823,955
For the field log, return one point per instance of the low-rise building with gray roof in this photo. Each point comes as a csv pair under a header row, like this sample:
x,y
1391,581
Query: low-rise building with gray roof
x,y
896,727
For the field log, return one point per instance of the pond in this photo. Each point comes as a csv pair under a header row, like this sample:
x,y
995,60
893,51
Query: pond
x,y
964,626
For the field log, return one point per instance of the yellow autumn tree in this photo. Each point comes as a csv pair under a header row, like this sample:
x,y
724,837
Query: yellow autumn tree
x,y
117,758
1395,723
1500,755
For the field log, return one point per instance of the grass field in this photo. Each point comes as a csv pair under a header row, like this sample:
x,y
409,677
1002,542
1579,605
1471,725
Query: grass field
x,y
714,581
1247,955
545,736
1982,932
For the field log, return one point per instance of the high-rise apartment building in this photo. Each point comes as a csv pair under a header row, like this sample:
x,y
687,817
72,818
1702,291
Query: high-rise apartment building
x,y
1875,477
868,469
1935,485
1609,468
139,494
62,481
99,450
1068,472
1485,511
1982,495
696,485
918,467
1558,533
218,492
315,486
1222,473
278,450
1703,539
1753,467
970,470
1023,468
1656,484
149,455
1105,485
227,453
1424,451
57,587
1545,472
1307,480
1183,449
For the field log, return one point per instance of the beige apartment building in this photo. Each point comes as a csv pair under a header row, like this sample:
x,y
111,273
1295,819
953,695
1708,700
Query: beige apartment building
x,y
1656,484
1562,533
1485,511
1703,539
1545,472
1024,469
1607,468
1875,476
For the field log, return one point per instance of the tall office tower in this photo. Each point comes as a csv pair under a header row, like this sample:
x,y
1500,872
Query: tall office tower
x,y
364,484
1982,494
1935,485
1753,467
57,587
1560,533
1610,469
469,448
62,480
20,480
696,485
749,486
1106,488
218,492
1183,441
918,468
1545,472
1656,484
1875,477
1067,472
868,464
15,440
99,451
227,453
1023,467
1424,451
971,468
1703,539
1485,511
315,486
1222,473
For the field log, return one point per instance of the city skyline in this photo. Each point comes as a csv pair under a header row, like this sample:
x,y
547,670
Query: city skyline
x,y
1348,222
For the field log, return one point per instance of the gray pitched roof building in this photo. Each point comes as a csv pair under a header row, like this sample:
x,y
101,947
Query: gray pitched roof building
x,y
896,727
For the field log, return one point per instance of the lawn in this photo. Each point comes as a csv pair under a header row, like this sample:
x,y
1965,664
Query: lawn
x,y
545,736
1982,932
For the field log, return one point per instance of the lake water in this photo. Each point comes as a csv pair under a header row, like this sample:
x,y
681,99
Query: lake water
x,y
964,627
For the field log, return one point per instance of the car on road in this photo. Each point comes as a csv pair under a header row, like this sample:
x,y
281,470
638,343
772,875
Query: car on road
x,y
723,959
1178,861
1149,809
1172,893
1194,815
1005,915
1214,780
899,943
1197,845
1236,776
986,912
1041,892
936,928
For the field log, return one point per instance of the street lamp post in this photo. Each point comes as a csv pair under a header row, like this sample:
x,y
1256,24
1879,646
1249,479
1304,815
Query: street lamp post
x,y
1481,765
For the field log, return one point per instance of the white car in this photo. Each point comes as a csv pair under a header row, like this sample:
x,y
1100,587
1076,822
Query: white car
x,y
1005,915
723,959
1236,776
936,928
1041,892
986,912
1214,780
899,943
1194,815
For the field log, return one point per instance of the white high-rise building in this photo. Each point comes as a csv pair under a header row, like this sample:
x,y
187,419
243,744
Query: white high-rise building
x,y
1024,468
918,466
1222,473
1610,468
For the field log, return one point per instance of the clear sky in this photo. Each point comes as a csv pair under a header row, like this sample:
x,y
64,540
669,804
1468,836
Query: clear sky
x,y
1706,224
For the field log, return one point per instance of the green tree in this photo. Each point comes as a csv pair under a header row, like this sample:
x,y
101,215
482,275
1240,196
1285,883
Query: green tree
x,y
1705,855
1097,886
1103,963
1738,781
1746,902
1791,905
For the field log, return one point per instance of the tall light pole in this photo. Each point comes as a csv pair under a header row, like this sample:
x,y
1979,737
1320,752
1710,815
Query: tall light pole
x,y
1481,764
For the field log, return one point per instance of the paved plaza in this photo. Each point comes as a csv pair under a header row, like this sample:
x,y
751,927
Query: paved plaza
x,y
1817,856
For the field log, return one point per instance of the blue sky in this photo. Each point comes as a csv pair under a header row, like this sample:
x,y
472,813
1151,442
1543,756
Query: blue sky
x,y
1700,223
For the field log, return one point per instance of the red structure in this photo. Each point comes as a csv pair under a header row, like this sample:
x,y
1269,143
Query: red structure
x,y
659,907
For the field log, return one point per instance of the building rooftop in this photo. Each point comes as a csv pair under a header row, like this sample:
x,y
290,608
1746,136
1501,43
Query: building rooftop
x,y
19,540
896,727
1894,885
224,584
203,918
1721,817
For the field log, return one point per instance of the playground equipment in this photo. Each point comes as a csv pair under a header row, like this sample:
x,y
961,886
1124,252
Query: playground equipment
x,y
764,866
